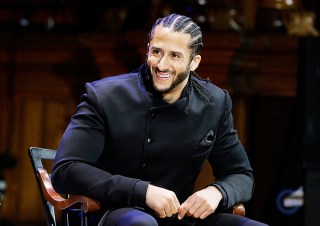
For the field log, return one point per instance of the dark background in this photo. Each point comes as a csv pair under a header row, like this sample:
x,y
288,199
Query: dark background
x,y
50,48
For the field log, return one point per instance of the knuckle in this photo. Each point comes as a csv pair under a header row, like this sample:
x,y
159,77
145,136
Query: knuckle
x,y
190,212
183,209
203,216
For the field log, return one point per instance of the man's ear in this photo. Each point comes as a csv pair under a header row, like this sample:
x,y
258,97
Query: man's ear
x,y
148,45
195,62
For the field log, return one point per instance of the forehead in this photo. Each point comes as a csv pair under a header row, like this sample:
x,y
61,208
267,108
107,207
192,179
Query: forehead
x,y
165,38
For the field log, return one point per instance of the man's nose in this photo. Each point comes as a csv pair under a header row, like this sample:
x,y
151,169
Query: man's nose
x,y
163,63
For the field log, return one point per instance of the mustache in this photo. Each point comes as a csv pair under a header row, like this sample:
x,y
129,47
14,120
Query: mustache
x,y
156,69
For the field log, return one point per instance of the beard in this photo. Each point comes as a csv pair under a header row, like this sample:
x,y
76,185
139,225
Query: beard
x,y
177,81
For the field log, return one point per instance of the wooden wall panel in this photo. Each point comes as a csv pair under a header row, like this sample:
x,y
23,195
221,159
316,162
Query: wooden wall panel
x,y
41,123
4,105
56,116
30,133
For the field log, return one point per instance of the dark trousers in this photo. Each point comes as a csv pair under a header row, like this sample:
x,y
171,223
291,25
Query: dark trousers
x,y
134,217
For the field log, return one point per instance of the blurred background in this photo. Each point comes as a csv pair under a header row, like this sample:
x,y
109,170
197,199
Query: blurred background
x,y
266,53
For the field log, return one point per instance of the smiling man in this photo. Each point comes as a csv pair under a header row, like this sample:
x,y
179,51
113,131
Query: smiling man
x,y
170,61
138,141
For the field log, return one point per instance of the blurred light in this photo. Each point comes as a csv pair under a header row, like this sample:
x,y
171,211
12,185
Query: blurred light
x,y
24,22
3,186
232,12
202,2
50,23
278,23
201,18
289,2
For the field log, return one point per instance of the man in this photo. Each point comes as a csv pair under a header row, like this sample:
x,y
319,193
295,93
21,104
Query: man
x,y
138,141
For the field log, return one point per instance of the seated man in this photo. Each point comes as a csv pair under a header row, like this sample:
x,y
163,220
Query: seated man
x,y
139,140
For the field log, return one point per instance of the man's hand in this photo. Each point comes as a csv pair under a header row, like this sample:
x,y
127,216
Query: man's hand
x,y
163,201
201,204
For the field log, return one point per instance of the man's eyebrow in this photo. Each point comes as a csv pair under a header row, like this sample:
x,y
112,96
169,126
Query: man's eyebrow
x,y
154,47
171,51
177,52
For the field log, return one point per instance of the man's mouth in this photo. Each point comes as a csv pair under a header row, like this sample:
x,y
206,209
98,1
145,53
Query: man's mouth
x,y
162,75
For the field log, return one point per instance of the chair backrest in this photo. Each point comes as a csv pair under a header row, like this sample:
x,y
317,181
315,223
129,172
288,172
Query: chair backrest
x,y
37,156
73,207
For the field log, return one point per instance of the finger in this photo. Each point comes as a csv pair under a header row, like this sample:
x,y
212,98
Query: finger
x,y
161,213
175,205
193,209
196,213
171,209
168,212
182,211
205,214
194,205
184,208
204,211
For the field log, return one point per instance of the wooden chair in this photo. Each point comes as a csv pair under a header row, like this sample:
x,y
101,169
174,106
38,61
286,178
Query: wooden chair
x,y
52,200
239,210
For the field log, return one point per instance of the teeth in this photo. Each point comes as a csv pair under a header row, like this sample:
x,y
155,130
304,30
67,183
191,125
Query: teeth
x,y
164,76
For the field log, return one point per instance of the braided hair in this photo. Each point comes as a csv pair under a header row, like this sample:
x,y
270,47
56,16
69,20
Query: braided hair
x,y
183,24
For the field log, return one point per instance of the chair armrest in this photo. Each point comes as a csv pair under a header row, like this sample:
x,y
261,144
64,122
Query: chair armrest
x,y
239,210
56,200
88,204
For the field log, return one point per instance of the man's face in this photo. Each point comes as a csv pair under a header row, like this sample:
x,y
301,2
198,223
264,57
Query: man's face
x,y
169,60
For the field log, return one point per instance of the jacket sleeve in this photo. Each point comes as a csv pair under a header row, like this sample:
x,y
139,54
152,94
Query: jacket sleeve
x,y
229,161
75,168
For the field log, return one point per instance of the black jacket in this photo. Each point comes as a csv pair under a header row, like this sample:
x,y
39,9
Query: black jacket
x,y
124,136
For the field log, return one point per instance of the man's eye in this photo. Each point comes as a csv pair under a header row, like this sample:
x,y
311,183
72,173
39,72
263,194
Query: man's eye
x,y
175,56
156,52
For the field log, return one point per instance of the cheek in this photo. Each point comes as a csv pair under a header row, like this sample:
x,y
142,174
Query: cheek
x,y
181,68
151,61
